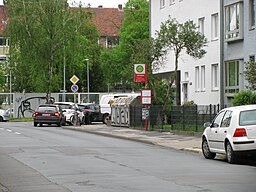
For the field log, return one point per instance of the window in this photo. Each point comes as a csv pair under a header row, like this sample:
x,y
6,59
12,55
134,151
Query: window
x,y
201,25
215,26
172,2
197,82
162,3
226,119
252,58
202,78
215,77
3,42
232,76
217,120
251,14
233,22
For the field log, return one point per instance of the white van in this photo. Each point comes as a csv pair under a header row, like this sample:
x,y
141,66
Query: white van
x,y
105,103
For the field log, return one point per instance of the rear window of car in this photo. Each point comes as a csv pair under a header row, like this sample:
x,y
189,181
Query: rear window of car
x,y
247,117
65,106
49,109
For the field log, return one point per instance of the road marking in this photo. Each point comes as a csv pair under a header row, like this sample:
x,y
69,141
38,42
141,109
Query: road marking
x,y
9,130
17,133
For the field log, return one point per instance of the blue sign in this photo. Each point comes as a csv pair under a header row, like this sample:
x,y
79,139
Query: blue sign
x,y
74,88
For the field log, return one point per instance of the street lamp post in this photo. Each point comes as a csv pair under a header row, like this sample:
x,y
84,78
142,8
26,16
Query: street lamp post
x,y
88,79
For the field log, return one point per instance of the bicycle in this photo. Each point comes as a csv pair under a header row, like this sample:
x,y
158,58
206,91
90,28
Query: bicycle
x,y
75,119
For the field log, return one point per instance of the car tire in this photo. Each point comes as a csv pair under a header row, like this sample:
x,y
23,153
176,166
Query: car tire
x,y
1,119
58,124
230,154
105,118
35,124
206,150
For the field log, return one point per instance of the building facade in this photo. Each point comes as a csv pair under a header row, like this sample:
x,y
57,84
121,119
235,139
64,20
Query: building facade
x,y
239,44
229,27
198,77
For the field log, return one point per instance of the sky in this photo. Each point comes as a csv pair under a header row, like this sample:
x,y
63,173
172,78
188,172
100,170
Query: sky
x,y
96,3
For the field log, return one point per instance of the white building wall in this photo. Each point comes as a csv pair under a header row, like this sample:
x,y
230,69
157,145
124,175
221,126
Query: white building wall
x,y
184,10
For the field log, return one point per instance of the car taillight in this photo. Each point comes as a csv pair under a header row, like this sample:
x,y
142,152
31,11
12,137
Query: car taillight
x,y
240,132
35,114
57,114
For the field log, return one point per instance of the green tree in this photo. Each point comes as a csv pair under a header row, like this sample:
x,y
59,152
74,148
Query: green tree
x,y
250,74
118,63
176,37
43,34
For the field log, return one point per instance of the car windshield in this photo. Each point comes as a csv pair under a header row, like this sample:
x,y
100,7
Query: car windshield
x,y
47,108
65,106
248,117
84,106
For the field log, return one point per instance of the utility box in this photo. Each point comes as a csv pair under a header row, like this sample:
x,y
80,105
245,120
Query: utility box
x,y
120,111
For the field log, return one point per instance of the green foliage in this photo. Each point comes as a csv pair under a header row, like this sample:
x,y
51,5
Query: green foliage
x,y
44,34
189,103
244,97
175,36
250,74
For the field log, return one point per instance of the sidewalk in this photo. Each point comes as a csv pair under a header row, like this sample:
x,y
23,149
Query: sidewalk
x,y
164,139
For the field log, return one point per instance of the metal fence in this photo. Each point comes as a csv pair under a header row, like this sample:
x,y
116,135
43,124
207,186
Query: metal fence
x,y
182,118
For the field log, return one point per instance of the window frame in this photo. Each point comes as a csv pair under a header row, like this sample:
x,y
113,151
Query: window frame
x,y
201,22
215,26
237,32
251,14
215,76
229,87
162,4
203,78
197,79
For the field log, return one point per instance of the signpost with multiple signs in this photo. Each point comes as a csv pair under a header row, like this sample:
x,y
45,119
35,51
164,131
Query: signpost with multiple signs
x,y
141,76
74,88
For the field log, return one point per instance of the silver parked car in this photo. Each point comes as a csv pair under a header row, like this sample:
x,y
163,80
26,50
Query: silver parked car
x,y
232,132
4,115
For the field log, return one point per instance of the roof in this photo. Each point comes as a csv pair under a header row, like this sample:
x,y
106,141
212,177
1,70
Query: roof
x,y
108,20
3,18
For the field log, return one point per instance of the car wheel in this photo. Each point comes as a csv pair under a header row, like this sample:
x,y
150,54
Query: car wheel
x,y
58,124
40,124
206,150
105,118
230,154
1,119
35,124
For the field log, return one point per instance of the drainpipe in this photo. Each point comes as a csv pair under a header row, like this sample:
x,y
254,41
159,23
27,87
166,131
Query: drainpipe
x,y
222,69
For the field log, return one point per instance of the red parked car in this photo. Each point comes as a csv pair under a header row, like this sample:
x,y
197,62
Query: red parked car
x,y
49,114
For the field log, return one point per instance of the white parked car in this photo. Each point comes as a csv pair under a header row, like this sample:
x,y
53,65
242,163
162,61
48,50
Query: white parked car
x,y
69,108
232,132
4,115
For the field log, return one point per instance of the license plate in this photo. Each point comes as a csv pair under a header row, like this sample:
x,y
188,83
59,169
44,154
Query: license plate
x,y
46,114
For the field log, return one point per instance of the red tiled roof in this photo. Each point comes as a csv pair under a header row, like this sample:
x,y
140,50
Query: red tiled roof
x,y
108,20
3,18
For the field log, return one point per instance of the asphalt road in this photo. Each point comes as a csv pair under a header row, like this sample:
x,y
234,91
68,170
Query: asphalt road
x,y
56,159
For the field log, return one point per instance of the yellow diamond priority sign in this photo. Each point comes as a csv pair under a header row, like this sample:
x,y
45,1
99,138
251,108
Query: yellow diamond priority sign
x,y
74,79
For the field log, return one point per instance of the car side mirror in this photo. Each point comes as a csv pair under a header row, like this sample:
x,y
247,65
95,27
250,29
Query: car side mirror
x,y
64,110
207,124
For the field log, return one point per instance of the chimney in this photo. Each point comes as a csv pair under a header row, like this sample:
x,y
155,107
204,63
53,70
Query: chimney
x,y
120,7
100,6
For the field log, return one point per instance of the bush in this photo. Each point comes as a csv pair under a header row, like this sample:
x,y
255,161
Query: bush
x,y
244,97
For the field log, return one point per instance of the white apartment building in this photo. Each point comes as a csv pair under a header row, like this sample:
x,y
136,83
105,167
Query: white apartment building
x,y
229,26
199,78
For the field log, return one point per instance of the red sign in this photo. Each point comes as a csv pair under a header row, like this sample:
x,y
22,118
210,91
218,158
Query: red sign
x,y
140,73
